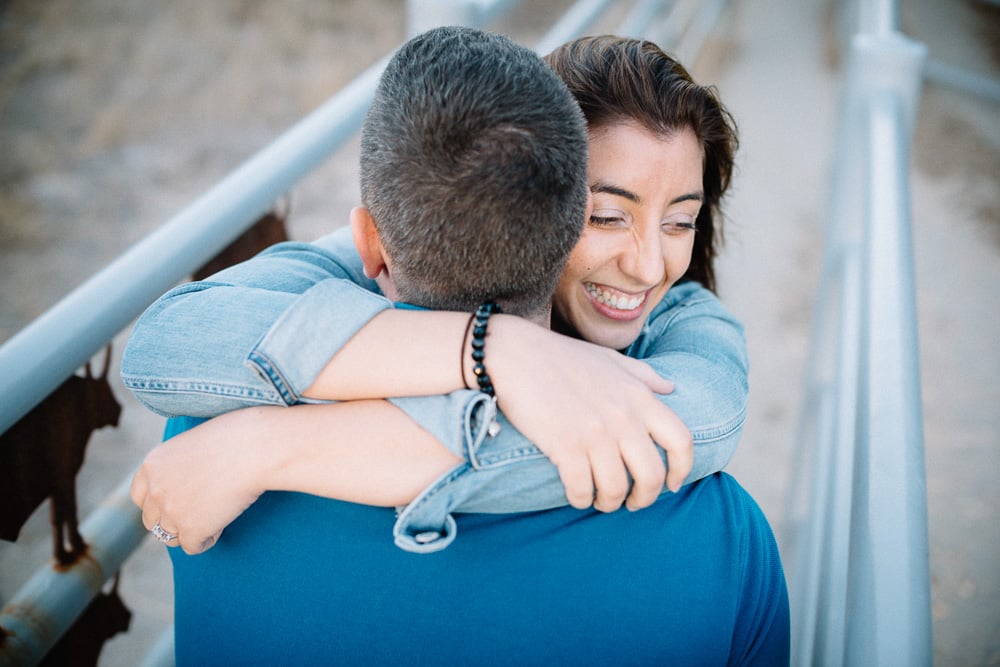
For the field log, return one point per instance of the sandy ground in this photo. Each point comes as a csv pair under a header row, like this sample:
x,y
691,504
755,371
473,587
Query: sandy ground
x,y
114,115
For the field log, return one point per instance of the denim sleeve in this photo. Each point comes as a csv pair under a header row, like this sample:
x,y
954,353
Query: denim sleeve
x,y
256,333
498,474
690,338
694,341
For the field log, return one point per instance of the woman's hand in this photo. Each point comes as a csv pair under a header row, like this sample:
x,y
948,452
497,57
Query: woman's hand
x,y
592,411
197,483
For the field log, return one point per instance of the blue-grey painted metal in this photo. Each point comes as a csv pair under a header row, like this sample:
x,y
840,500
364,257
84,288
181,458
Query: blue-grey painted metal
x,y
889,589
642,16
819,583
701,25
963,80
878,17
37,359
422,15
162,653
861,590
823,614
827,422
53,598
572,24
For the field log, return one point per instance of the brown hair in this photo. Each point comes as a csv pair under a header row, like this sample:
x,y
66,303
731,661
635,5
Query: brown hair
x,y
617,79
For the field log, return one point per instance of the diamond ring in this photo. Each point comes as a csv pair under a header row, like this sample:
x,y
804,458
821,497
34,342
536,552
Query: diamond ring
x,y
161,534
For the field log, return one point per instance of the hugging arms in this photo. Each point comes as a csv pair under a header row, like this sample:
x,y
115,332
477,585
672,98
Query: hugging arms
x,y
306,323
187,357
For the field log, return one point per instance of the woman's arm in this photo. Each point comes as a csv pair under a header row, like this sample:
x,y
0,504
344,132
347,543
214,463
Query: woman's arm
x,y
691,332
571,398
254,334
196,483
288,326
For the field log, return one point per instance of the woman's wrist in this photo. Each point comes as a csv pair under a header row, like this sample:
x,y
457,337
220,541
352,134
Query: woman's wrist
x,y
509,340
398,353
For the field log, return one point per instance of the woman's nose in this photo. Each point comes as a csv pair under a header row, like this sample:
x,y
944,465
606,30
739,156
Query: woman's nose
x,y
644,262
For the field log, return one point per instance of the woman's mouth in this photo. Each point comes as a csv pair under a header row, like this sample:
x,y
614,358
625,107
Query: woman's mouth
x,y
616,305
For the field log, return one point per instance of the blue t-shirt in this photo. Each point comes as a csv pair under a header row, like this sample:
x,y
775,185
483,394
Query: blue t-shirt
x,y
299,580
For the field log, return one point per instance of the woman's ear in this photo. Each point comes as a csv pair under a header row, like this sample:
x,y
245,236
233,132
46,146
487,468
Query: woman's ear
x,y
367,242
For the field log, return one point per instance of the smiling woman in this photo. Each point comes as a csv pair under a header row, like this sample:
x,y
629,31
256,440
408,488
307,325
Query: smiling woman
x,y
638,242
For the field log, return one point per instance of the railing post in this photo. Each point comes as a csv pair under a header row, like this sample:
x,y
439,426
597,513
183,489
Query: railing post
x,y
861,594
889,583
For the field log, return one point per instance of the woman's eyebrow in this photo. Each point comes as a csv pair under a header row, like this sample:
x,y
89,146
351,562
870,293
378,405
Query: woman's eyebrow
x,y
691,196
606,188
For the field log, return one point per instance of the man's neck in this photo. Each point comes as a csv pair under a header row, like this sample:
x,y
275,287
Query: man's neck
x,y
542,318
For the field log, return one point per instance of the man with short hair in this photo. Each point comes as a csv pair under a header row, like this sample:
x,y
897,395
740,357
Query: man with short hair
x,y
469,175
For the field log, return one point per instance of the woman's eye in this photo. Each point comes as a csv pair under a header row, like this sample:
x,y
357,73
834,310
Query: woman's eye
x,y
601,219
676,228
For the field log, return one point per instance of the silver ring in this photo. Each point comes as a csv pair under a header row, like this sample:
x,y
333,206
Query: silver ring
x,y
161,534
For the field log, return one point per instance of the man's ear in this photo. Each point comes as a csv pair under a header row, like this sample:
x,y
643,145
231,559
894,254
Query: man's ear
x,y
367,242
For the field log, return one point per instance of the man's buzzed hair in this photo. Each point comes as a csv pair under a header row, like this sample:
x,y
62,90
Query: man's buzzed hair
x,y
474,169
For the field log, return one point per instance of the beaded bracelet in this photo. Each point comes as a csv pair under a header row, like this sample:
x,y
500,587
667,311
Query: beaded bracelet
x,y
478,323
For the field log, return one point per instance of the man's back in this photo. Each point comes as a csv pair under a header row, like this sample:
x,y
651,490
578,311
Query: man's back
x,y
303,580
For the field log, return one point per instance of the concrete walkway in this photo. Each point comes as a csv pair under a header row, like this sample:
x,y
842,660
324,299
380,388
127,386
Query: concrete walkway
x,y
134,157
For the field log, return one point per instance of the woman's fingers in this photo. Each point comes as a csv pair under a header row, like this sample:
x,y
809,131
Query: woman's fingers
x,y
644,372
675,439
647,469
610,478
576,475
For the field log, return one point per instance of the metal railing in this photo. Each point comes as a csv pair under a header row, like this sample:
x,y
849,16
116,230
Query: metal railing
x,y
41,356
861,587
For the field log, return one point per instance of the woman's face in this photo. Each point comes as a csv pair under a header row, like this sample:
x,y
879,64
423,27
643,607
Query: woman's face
x,y
647,192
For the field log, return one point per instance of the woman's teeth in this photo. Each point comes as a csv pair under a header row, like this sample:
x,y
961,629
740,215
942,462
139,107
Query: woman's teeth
x,y
613,301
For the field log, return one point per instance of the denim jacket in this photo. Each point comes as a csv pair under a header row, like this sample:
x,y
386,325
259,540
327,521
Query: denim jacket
x,y
258,333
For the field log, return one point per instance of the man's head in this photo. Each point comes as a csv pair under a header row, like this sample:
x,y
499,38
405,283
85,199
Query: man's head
x,y
473,173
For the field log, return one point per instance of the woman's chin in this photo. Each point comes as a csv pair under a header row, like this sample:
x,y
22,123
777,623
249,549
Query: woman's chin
x,y
616,336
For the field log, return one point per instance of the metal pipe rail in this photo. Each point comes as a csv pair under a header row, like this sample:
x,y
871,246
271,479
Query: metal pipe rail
x,y
861,588
37,359
52,599
42,355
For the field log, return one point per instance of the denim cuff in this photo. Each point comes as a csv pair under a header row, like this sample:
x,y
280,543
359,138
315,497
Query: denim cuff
x,y
426,524
307,335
